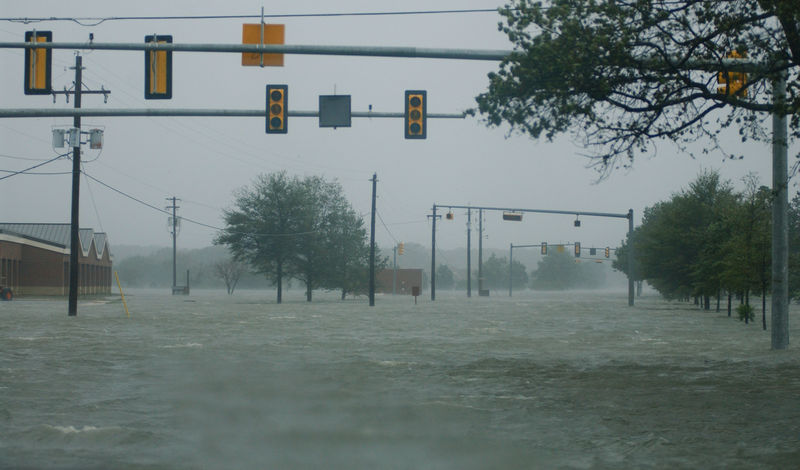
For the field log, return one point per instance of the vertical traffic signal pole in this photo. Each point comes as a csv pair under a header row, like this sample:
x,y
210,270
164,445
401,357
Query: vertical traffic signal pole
x,y
780,207
510,263
469,253
630,257
480,251
372,244
75,241
433,255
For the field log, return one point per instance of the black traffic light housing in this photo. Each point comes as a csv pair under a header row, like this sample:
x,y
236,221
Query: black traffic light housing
x,y
157,70
416,114
513,216
277,109
38,64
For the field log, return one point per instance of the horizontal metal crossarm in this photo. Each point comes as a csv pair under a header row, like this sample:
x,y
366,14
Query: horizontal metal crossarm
x,y
372,51
164,112
539,211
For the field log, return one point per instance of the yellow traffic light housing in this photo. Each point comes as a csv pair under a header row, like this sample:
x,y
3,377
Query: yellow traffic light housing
x,y
416,119
277,109
38,64
157,70
608,252
733,83
544,248
577,249
400,248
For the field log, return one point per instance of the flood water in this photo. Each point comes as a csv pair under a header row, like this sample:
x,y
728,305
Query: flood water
x,y
539,380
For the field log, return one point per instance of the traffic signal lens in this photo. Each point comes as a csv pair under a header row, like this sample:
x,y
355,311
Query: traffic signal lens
x,y
277,109
415,114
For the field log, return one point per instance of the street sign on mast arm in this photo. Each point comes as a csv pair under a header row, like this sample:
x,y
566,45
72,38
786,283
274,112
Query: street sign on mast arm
x,y
271,34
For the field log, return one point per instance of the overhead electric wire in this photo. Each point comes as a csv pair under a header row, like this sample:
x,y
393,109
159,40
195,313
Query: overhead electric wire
x,y
188,219
385,227
15,173
98,20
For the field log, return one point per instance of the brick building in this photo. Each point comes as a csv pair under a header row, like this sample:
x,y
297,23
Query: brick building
x,y
34,260
407,279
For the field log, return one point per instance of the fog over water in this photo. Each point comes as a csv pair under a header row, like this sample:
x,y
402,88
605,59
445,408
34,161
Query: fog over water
x,y
539,380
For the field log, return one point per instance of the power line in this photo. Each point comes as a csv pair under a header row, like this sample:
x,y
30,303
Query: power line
x,y
191,220
385,227
15,173
83,21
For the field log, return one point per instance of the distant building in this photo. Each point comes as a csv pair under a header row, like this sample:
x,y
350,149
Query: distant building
x,y
34,260
406,280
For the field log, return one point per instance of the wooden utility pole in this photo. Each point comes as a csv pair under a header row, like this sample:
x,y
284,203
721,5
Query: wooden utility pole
x,y
75,238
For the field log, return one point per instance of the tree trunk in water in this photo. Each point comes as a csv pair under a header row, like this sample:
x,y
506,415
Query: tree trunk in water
x,y
747,302
719,294
344,293
308,292
639,288
764,306
280,282
730,297
706,302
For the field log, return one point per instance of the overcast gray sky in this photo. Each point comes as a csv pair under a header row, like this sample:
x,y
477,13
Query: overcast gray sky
x,y
203,161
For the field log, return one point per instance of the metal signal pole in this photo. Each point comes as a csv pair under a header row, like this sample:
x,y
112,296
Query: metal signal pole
x,y
469,253
372,244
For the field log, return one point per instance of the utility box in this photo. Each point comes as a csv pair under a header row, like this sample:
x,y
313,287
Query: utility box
x,y
96,139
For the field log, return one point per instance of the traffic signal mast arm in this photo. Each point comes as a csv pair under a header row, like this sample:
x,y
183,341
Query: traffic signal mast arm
x,y
538,211
364,51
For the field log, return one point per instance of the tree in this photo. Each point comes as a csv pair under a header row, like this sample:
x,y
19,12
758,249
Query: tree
x,y
301,229
678,245
747,258
349,248
230,271
263,227
556,271
619,73
316,213
444,277
794,246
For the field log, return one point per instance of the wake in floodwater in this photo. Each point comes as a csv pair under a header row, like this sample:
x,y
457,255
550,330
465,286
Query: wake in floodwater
x,y
537,380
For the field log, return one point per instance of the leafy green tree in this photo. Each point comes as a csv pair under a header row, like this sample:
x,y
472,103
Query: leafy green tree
x,y
320,215
556,271
495,273
349,249
678,245
619,73
747,262
794,247
263,227
300,229
444,277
